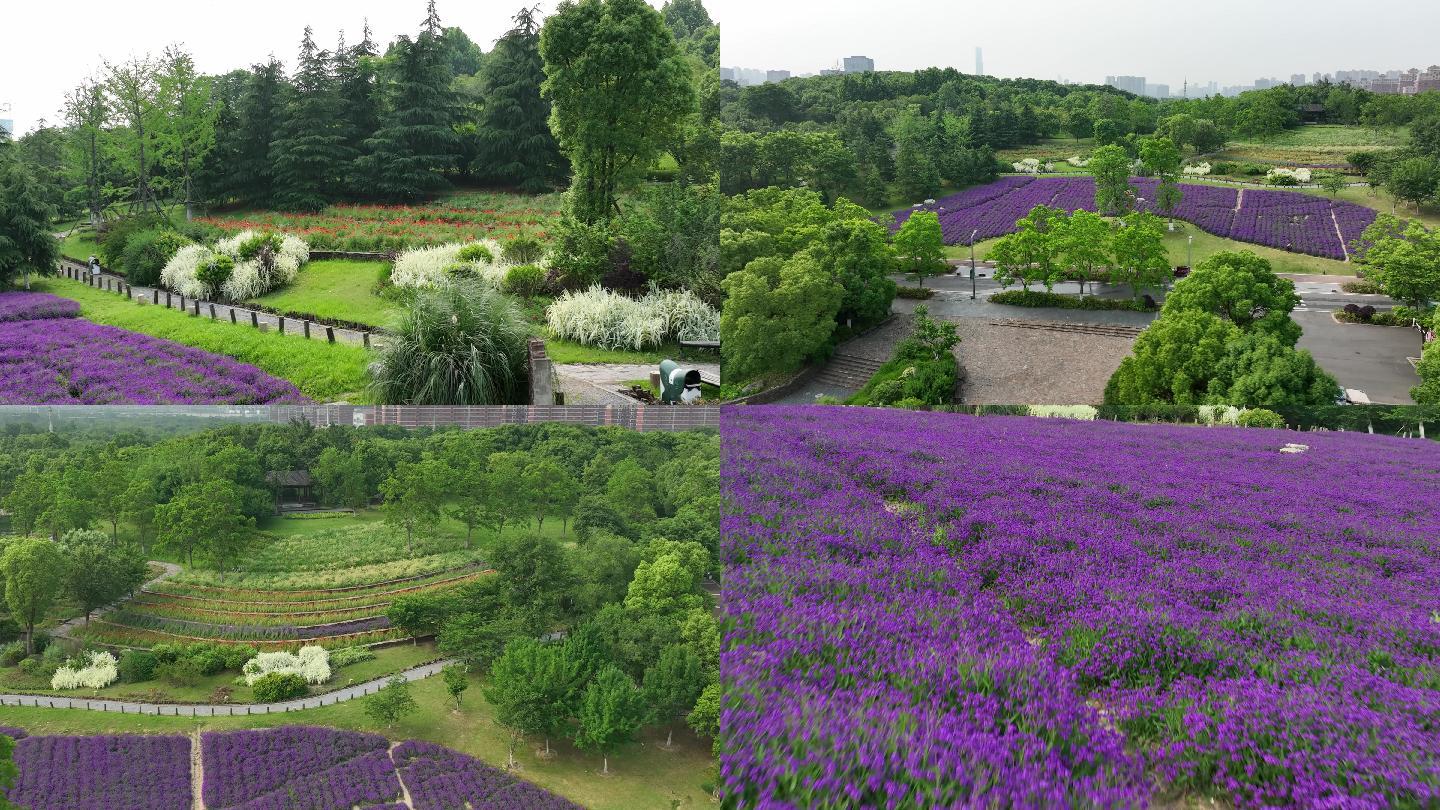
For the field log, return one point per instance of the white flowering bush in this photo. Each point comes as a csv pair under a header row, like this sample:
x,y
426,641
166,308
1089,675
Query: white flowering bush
x,y
258,263
1027,166
1219,415
1083,413
100,670
609,320
1197,170
1078,162
310,663
430,266
1298,175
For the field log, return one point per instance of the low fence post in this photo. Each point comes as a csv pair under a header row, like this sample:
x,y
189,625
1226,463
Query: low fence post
x,y
365,338
232,314
306,326
212,312
330,334
282,324
254,320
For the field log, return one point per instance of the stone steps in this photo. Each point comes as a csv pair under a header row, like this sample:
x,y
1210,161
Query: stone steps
x,y
1101,329
848,371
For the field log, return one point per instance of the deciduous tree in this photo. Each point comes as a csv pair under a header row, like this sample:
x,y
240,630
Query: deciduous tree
x,y
34,572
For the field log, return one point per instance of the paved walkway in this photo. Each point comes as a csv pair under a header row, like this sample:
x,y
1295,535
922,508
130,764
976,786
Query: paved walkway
x,y
223,709
600,383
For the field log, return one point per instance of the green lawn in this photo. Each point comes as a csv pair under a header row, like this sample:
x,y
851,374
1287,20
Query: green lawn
x,y
336,288
79,246
643,776
1206,245
1330,136
324,372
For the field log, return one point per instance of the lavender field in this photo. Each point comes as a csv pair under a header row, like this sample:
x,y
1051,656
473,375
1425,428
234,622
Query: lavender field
x,y
285,768
932,610
1286,220
49,355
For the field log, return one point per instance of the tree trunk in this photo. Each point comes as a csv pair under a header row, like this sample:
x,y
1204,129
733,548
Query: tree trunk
x,y
670,737
469,534
547,745
605,766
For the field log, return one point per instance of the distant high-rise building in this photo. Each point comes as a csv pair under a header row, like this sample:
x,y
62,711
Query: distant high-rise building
x,y
7,126
1157,90
832,72
727,74
1317,78
979,62
772,76
859,64
1297,79
1130,84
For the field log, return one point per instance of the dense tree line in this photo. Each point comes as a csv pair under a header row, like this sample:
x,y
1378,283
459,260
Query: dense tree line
x,y
197,498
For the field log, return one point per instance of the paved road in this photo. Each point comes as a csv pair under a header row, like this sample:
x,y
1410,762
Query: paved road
x,y
1373,359
223,709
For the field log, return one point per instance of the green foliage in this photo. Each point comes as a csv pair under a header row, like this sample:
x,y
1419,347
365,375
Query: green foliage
x,y
147,252
619,91
8,770
923,372
100,571
1260,418
1242,288
276,687
310,155
612,710
1038,298
1140,257
26,244
777,315
457,680
1403,259
34,572
531,686
1414,180
406,158
920,246
1111,168
523,249
582,252
513,141
1428,391
215,272
349,656
458,344
1030,255
673,685
391,704
206,516
525,281
137,666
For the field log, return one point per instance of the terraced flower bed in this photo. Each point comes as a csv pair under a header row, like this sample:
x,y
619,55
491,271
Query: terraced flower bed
x,y
338,558
934,610
101,631
311,597
284,631
284,768
1285,220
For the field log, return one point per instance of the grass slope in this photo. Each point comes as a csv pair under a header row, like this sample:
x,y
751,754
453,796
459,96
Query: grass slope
x,y
642,775
335,288
324,372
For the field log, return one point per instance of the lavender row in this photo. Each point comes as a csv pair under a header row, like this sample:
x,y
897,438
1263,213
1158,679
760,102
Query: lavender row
x,y
438,778
944,611
1285,220
28,306
74,361
296,768
265,632
102,773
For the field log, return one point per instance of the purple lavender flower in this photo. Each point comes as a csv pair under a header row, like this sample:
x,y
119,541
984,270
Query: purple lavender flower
x,y
32,306
132,772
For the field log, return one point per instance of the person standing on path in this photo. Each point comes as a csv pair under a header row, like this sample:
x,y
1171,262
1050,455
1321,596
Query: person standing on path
x,y
94,268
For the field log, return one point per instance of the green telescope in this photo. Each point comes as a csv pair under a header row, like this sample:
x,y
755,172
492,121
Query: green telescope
x,y
676,381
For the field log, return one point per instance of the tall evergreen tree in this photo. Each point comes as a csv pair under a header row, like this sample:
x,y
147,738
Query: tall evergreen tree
x,y
513,132
217,180
416,143
262,111
309,154
26,244
359,100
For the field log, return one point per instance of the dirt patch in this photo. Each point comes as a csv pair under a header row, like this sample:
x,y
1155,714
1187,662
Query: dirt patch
x,y
1010,366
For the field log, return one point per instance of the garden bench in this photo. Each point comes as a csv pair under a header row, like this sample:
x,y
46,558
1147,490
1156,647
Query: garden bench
x,y
707,345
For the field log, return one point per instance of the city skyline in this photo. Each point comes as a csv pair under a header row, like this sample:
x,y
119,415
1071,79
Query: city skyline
x,y
1278,40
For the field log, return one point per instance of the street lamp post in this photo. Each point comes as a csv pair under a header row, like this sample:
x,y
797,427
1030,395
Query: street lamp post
x,y
1190,253
972,263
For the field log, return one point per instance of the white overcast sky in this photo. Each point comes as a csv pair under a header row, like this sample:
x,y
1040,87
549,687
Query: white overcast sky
x,y
47,48
1231,42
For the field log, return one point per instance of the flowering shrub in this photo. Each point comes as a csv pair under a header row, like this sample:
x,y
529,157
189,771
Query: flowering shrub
x,y
1028,166
1078,162
941,611
599,317
430,266
310,663
73,361
1296,175
99,671
1285,220
1218,414
28,306
1197,170
237,268
1084,413
136,772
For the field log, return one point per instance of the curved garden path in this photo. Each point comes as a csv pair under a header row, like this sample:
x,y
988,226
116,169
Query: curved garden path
x,y
206,709
222,709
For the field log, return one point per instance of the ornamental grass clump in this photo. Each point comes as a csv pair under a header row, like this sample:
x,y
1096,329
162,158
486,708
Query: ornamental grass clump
x,y
609,320
238,268
457,344
310,663
96,671
483,261
929,610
